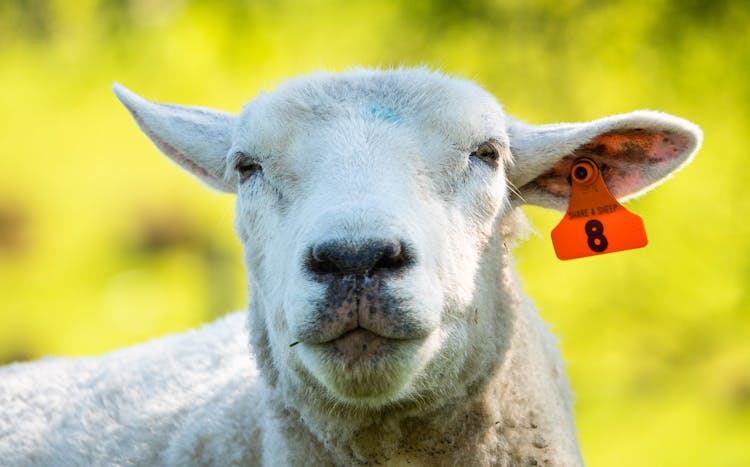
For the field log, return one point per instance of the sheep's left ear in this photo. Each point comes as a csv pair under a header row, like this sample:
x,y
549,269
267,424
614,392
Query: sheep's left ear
x,y
196,138
635,151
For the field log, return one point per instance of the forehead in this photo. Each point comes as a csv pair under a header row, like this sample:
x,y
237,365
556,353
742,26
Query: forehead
x,y
421,101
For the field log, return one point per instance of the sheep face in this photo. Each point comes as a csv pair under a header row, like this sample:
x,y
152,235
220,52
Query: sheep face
x,y
364,206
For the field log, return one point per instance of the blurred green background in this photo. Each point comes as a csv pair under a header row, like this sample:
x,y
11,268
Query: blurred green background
x,y
104,243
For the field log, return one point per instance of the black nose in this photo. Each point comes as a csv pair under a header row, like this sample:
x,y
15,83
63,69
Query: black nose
x,y
370,257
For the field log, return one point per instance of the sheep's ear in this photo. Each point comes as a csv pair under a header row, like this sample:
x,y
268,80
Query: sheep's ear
x,y
196,138
635,151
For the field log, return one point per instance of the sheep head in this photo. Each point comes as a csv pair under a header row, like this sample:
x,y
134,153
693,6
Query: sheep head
x,y
369,205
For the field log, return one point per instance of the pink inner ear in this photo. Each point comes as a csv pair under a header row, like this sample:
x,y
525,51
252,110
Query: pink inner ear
x,y
174,153
630,160
639,146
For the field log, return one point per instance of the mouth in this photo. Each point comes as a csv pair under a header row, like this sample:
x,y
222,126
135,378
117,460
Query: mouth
x,y
360,312
360,346
364,342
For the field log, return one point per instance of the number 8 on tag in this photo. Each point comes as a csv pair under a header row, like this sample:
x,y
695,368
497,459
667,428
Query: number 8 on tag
x,y
595,232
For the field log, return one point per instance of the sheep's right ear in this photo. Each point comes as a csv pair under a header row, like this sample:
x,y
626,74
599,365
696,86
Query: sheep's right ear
x,y
196,138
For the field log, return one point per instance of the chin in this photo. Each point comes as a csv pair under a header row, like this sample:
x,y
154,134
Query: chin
x,y
365,369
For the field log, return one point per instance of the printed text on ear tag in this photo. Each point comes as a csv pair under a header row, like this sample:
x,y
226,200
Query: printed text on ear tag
x,y
595,222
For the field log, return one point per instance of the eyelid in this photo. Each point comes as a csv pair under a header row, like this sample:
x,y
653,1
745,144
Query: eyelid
x,y
498,145
238,157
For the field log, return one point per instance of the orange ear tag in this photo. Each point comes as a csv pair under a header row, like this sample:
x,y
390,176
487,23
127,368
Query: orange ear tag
x,y
595,223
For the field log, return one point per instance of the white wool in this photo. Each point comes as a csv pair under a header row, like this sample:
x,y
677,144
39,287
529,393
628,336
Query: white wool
x,y
464,372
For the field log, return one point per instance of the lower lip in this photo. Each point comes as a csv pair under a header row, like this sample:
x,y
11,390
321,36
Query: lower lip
x,y
359,345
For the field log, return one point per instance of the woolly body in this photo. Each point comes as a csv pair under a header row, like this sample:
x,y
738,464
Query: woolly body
x,y
433,357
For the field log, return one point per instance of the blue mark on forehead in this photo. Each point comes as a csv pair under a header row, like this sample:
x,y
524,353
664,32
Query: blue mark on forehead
x,y
382,112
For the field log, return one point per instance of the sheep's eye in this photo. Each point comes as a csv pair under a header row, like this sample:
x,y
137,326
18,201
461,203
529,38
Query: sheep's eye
x,y
487,152
246,167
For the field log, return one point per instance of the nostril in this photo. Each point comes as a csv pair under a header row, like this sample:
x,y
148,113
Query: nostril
x,y
393,257
375,256
321,260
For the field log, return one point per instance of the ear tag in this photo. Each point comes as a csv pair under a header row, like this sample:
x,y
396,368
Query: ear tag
x,y
595,222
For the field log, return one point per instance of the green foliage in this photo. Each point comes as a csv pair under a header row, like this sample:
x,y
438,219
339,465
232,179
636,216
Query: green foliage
x,y
103,243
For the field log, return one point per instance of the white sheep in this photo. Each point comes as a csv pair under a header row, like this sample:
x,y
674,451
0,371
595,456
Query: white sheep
x,y
386,322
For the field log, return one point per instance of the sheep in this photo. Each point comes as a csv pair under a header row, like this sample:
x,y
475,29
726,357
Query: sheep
x,y
386,324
